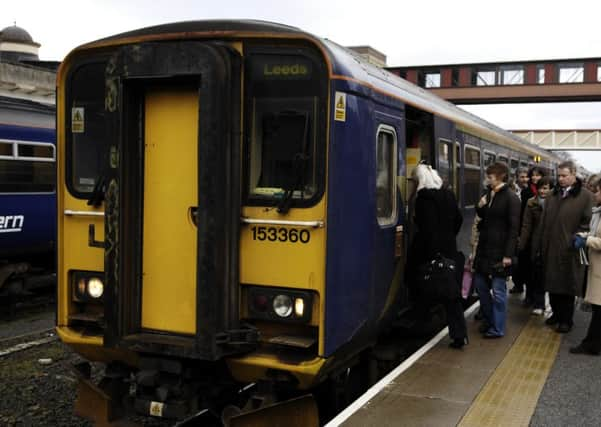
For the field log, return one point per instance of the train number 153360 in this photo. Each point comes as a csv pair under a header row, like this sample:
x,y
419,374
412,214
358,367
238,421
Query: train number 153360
x,y
279,234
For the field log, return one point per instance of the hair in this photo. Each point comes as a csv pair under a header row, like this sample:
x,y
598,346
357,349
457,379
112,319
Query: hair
x,y
536,170
568,164
520,171
545,180
593,180
499,169
427,177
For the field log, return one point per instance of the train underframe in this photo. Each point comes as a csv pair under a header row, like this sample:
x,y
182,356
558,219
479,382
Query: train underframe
x,y
196,392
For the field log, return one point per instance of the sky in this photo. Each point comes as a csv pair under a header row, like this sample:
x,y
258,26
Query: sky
x,y
408,32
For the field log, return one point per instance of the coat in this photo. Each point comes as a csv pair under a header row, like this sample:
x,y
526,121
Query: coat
x,y
531,234
562,218
498,230
437,220
593,244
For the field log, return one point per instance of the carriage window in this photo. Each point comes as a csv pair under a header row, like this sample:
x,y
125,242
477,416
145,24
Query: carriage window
x,y
285,130
504,160
36,151
31,170
489,158
472,156
386,164
6,149
445,163
471,176
86,130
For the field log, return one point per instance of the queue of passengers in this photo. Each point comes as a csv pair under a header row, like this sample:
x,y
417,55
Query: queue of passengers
x,y
543,235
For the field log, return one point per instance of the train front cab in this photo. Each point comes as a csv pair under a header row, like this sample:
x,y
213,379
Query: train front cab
x,y
210,240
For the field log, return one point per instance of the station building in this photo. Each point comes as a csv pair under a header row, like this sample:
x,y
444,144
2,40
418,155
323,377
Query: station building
x,y
27,84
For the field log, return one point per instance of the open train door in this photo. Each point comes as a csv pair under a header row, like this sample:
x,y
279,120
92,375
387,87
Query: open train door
x,y
173,200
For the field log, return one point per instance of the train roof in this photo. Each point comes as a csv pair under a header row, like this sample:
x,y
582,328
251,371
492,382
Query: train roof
x,y
345,63
390,84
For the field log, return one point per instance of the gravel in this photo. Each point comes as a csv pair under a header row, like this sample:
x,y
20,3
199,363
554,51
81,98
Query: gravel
x,y
36,394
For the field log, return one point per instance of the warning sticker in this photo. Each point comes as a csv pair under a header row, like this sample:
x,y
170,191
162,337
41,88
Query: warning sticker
x,y
156,409
340,114
77,120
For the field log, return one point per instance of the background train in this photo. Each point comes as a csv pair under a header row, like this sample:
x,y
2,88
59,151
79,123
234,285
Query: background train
x,y
27,200
232,209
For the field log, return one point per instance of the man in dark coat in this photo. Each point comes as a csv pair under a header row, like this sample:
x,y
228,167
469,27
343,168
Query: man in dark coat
x,y
567,212
520,273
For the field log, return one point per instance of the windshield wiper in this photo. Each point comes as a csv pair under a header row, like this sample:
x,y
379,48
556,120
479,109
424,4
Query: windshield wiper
x,y
300,163
97,195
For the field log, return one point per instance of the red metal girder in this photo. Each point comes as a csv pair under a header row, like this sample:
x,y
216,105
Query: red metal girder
x,y
465,76
590,72
521,93
550,74
530,74
412,76
446,77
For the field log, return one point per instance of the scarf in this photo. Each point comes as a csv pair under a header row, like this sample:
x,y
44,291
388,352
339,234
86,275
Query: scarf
x,y
495,191
534,189
541,202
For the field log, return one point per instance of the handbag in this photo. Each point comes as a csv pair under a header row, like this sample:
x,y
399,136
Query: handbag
x,y
437,278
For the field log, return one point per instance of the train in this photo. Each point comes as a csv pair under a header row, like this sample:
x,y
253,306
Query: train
x,y
232,213
27,202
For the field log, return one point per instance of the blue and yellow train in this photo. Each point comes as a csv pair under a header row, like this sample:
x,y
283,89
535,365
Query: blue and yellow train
x,y
232,207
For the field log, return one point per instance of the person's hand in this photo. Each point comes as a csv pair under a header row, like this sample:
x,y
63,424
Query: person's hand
x,y
506,261
579,241
482,201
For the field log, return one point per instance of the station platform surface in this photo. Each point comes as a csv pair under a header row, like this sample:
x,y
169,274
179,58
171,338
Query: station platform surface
x,y
528,377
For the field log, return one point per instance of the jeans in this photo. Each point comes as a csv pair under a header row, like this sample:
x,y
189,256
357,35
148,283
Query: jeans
x,y
494,307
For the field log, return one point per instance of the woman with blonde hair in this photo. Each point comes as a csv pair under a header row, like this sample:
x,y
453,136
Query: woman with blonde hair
x,y
438,220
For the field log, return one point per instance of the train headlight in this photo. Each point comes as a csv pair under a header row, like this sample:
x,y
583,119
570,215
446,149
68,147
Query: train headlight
x,y
95,287
279,304
282,305
299,307
81,288
87,286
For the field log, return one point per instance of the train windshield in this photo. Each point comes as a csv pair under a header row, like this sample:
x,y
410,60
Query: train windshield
x,y
87,139
285,147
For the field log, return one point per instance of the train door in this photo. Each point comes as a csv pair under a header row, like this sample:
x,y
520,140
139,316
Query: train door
x,y
173,198
170,174
387,246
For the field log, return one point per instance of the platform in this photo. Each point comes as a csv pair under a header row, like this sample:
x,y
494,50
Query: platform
x,y
526,378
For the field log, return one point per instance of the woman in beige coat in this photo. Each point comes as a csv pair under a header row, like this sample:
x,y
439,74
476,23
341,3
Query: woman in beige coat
x,y
591,344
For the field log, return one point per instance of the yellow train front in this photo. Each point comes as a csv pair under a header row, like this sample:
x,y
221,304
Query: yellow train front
x,y
193,213
231,210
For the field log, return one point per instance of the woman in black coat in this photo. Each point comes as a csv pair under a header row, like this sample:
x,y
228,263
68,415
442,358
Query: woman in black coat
x,y
438,220
499,210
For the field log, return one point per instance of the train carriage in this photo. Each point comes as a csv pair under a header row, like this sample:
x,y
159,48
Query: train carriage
x,y
232,206
27,203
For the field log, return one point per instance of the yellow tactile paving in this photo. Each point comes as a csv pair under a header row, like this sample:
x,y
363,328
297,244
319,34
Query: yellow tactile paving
x,y
511,393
